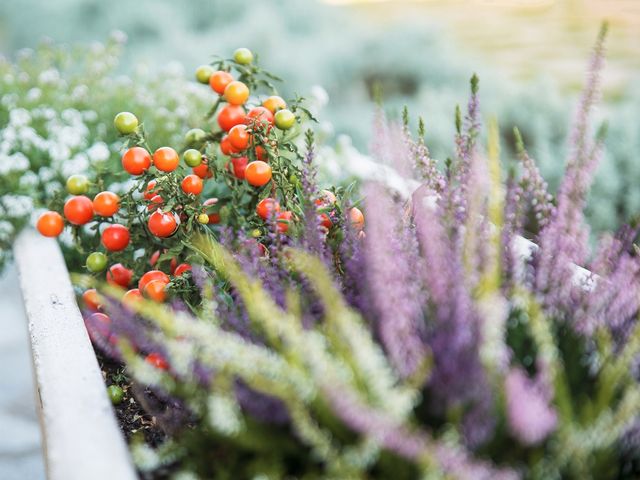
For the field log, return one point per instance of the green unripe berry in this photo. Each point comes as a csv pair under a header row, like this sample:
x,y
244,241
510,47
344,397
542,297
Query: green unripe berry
x,y
195,135
243,56
203,218
77,184
284,119
256,233
126,123
203,73
96,262
116,394
192,157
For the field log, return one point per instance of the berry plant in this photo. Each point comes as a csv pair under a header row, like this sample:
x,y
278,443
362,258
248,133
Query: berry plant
x,y
242,171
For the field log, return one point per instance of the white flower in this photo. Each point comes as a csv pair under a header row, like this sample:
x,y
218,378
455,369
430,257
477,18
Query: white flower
x,y
17,206
118,36
78,164
20,161
9,100
46,113
59,152
122,187
319,96
46,174
6,230
19,117
98,152
80,93
13,163
33,95
51,188
49,77
182,112
9,135
71,115
29,180
5,146
28,136
89,116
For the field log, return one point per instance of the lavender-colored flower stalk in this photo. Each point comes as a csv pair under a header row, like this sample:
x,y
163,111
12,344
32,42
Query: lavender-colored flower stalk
x,y
394,285
313,238
564,241
530,416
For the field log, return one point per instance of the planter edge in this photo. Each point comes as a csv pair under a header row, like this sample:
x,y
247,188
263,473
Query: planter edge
x,y
81,437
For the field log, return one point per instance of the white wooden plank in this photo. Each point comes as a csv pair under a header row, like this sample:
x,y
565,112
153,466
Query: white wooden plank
x,y
80,433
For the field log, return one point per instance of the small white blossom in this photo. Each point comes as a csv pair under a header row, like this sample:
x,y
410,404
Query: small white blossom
x,y
17,206
79,163
19,117
46,174
118,36
89,116
98,152
49,77
319,96
6,230
59,152
9,100
28,136
18,162
71,115
80,93
34,94
29,180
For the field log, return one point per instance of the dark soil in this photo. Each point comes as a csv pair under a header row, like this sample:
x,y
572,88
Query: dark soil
x,y
132,418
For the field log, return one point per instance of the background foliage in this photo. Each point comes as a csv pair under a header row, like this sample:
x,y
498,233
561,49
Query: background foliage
x,y
310,43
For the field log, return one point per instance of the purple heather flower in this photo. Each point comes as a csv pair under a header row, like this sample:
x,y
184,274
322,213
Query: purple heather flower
x,y
313,238
453,323
529,413
564,240
352,256
534,189
390,146
392,262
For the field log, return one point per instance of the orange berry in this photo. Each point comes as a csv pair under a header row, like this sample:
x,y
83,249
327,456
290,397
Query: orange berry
x,y
50,224
136,160
166,159
236,93
106,204
219,81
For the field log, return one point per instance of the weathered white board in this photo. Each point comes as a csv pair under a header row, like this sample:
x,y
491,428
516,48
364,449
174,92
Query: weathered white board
x,y
80,433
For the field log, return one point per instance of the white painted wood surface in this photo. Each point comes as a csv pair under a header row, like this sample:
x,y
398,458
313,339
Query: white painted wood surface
x,y
80,433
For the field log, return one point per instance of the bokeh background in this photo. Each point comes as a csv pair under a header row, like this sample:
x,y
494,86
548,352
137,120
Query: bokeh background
x,y
530,55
